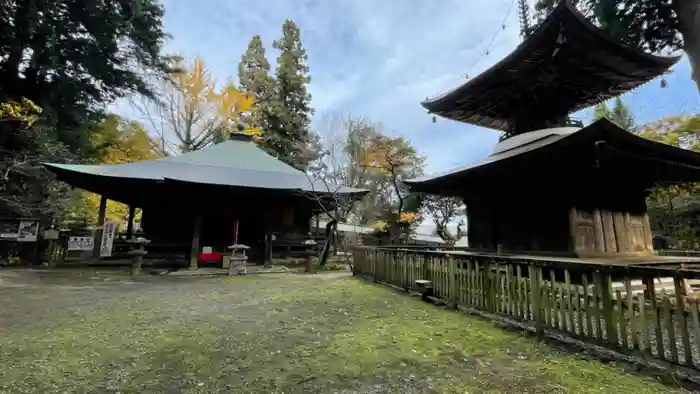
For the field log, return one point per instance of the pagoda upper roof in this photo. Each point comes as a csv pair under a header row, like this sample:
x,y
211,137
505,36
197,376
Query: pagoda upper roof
x,y
565,65
234,163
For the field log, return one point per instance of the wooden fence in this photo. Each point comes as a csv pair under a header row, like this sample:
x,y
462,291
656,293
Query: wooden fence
x,y
642,310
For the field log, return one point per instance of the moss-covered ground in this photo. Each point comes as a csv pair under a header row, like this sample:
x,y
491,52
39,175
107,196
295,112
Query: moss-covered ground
x,y
98,332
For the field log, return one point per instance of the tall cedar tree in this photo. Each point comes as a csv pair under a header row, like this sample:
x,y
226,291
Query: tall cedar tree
x,y
297,144
254,78
71,58
619,114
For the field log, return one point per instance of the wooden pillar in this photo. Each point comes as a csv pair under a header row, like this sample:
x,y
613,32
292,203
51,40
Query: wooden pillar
x,y
620,232
572,229
100,222
267,254
648,237
130,222
598,230
194,251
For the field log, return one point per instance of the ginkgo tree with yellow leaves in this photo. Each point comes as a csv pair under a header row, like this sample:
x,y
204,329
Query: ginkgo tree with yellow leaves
x,y
193,111
396,159
24,111
114,141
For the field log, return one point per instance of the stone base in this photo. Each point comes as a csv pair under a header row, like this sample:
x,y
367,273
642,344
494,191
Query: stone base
x,y
220,271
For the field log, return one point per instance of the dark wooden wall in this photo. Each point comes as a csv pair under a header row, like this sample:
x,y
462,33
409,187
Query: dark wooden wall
x,y
604,232
520,224
173,224
585,218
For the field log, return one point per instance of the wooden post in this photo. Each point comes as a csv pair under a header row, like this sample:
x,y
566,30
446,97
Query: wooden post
x,y
426,267
267,253
267,259
651,292
194,251
454,284
100,222
130,222
680,294
536,293
572,229
608,308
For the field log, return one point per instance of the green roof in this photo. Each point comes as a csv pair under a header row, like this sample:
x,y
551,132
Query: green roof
x,y
237,163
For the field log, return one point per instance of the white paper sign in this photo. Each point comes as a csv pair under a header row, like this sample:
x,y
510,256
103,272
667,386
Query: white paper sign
x,y
80,243
109,230
28,230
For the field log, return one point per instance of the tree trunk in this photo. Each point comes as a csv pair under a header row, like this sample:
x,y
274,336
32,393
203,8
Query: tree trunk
x,y
688,12
25,21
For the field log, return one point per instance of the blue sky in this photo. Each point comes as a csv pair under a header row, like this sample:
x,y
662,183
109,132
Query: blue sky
x,y
379,59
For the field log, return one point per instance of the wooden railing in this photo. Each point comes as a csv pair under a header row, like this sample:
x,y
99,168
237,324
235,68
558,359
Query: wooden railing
x,y
636,309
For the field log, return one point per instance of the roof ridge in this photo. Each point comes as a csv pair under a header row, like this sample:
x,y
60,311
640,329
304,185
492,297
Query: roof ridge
x,y
249,149
221,166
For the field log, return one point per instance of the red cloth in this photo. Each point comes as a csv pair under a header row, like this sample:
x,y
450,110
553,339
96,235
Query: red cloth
x,y
214,256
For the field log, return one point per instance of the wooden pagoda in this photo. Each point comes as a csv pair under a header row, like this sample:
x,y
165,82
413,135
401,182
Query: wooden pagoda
x,y
195,199
550,187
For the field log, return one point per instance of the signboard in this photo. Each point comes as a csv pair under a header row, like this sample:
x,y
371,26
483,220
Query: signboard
x,y
28,231
80,243
109,230
19,230
9,230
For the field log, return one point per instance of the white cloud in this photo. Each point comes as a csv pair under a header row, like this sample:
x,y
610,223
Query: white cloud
x,y
379,59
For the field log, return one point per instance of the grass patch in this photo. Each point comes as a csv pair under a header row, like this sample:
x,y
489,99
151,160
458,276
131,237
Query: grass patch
x,y
278,334
399,344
